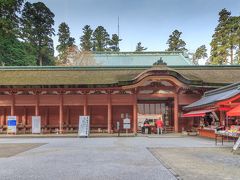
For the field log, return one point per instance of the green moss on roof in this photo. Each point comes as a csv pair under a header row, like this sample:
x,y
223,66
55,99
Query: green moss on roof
x,y
111,75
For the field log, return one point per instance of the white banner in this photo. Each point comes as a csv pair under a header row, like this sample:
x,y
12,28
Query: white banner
x,y
84,126
12,124
36,124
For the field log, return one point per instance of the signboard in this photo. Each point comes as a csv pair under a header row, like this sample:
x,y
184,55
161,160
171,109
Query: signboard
x,y
12,124
84,126
237,144
126,123
36,124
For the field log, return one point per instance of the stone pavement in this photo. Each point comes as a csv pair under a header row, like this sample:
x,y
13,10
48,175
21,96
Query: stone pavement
x,y
92,158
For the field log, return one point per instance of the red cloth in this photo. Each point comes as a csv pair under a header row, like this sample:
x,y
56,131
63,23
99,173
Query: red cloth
x,y
159,123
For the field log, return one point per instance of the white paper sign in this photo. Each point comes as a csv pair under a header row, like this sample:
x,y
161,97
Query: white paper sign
x,y
126,123
237,144
36,124
12,124
84,126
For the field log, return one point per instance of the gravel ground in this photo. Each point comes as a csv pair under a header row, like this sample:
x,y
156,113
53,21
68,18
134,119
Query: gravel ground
x,y
200,163
92,158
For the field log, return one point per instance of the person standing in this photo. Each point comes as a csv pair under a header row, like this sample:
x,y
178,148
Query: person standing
x,y
159,124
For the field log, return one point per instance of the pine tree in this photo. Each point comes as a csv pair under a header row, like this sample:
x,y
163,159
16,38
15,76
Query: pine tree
x,y
140,48
37,29
220,39
114,43
65,42
100,39
86,39
200,53
175,43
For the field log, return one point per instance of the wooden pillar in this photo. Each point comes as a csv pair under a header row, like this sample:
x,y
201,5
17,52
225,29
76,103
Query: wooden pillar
x,y
176,113
25,116
68,116
37,106
13,105
222,118
61,114
85,107
135,121
4,117
109,114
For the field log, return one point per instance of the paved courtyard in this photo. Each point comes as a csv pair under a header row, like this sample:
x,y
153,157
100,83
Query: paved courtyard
x,y
92,158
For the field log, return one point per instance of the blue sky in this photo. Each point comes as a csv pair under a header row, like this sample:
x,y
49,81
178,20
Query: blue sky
x,y
148,21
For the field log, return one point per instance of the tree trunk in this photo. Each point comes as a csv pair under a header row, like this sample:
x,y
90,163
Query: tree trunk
x,y
40,60
231,55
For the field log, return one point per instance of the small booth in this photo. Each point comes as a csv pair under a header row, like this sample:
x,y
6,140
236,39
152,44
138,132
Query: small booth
x,y
218,111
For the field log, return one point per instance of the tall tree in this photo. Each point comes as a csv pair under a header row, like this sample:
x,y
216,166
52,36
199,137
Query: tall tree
x,y
86,39
37,29
13,52
65,41
175,43
140,48
9,20
16,53
100,39
200,53
220,39
114,43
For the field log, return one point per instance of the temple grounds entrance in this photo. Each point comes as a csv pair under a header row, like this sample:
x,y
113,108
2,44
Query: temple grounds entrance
x,y
153,109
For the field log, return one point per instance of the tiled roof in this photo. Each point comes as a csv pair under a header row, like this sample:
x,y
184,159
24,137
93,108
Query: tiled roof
x,y
217,95
140,58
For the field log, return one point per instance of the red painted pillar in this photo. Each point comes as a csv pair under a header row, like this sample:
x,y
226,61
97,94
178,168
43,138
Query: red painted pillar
x,y
13,105
135,121
61,114
222,118
25,116
85,105
109,114
37,106
176,113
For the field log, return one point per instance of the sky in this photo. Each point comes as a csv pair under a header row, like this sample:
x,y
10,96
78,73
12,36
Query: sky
x,y
147,21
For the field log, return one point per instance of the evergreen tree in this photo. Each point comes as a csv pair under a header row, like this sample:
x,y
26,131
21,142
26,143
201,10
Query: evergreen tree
x,y
86,39
175,43
100,39
65,41
200,53
12,51
114,43
37,29
140,48
220,39
9,20
16,53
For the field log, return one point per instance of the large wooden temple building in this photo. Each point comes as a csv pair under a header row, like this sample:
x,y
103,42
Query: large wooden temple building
x,y
106,93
